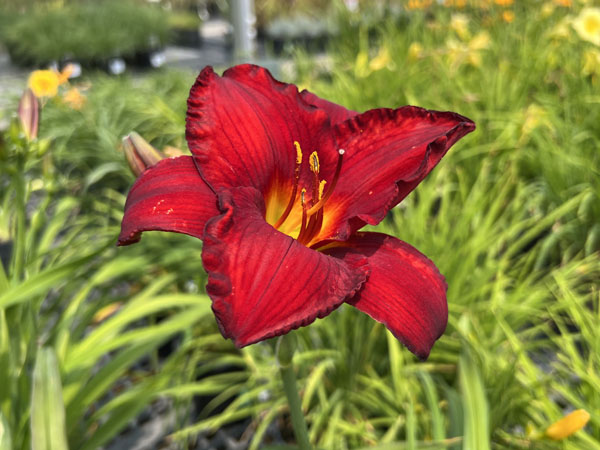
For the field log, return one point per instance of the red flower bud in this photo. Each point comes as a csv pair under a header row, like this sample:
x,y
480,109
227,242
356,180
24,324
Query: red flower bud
x,y
29,114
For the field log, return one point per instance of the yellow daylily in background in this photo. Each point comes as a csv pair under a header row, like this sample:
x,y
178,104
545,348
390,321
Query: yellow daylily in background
x,y
106,312
455,3
591,63
568,425
534,117
459,53
419,4
587,25
363,67
381,60
460,24
65,74
43,83
416,51
508,16
74,98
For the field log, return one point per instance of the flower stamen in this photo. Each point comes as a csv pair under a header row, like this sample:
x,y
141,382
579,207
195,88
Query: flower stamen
x,y
322,200
298,153
314,162
312,210
314,168
321,188
290,204
304,217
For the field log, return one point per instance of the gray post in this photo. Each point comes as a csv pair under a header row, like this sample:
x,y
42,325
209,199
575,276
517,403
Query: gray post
x,y
244,33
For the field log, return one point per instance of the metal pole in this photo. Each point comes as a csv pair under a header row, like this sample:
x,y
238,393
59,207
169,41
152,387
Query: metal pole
x,y
244,33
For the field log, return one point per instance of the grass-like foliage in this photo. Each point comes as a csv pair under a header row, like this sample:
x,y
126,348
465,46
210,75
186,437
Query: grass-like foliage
x,y
511,217
88,32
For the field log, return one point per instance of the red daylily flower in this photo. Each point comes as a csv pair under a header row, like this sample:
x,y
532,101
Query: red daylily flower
x,y
278,186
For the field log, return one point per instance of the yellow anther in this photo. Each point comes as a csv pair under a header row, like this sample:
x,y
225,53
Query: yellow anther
x,y
319,204
302,194
314,162
321,188
298,153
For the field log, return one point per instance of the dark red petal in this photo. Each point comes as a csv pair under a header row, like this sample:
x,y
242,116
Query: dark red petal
x,y
336,113
169,196
241,127
404,291
388,153
262,282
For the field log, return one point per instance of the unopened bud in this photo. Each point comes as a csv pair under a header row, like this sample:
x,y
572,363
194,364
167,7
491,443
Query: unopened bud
x,y
29,114
139,153
568,425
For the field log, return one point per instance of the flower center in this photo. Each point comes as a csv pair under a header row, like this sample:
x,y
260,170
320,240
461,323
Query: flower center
x,y
311,211
592,25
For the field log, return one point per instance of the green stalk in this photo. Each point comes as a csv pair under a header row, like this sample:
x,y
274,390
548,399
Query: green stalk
x,y
285,351
291,392
19,244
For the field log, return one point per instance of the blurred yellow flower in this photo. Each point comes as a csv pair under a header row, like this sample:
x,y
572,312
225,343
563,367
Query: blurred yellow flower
x,y
504,2
534,117
508,16
460,24
105,312
43,83
587,25
481,41
568,425
459,53
419,4
415,51
361,64
562,30
547,9
74,98
591,62
363,67
381,60
563,3
455,3
66,73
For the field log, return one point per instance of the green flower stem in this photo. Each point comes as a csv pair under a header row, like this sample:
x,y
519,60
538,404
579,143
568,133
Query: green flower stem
x,y
19,243
291,392
286,347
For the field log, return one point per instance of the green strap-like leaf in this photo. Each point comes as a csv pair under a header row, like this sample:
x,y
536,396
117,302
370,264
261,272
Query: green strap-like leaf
x,y
5,438
476,411
42,281
48,430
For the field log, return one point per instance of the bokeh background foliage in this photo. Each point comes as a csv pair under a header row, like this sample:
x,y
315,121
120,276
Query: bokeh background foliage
x,y
89,32
99,335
